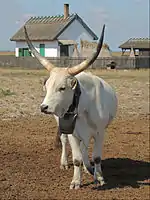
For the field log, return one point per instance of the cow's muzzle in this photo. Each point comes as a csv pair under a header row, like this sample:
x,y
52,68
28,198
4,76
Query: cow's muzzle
x,y
44,108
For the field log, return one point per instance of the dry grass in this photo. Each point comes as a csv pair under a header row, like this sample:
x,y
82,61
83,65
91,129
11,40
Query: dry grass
x,y
119,53
100,72
115,53
131,87
7,53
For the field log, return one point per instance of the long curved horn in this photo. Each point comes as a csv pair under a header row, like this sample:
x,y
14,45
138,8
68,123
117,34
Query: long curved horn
x,y
85,64
40,58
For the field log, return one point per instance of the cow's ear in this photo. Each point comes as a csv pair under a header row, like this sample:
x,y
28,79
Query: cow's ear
x,y
45,80
44,84
74,83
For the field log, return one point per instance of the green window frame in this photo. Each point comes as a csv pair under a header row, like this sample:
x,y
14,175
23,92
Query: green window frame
x,y
42,49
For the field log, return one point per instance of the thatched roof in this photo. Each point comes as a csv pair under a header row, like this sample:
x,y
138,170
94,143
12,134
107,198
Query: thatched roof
x,y
49,28
136,43
87,48
67,42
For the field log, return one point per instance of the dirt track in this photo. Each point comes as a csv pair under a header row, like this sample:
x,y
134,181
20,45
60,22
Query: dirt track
x,y
29,164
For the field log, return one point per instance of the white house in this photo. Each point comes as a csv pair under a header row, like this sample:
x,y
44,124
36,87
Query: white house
x,y
53,36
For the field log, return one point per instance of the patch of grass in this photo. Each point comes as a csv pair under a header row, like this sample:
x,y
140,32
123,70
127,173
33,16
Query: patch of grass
x,y
6,92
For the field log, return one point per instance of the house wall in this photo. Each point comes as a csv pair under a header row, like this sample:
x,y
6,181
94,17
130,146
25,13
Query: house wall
x,y
51,48
75,31
71,48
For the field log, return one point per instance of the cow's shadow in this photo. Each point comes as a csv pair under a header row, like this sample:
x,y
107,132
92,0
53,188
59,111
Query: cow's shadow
x,y
121,172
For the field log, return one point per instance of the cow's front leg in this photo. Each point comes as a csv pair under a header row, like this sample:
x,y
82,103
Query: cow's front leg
x,y
64,161
63,139
77,161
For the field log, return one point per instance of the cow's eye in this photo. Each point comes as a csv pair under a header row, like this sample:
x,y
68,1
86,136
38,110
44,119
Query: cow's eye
x,y
62,89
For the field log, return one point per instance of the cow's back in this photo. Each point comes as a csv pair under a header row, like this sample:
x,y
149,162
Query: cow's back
x,y
100,92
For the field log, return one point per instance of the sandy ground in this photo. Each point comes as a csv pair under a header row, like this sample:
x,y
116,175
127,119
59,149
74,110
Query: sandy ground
x,y
29,163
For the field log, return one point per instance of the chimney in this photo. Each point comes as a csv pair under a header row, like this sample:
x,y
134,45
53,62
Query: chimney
x,y
66,11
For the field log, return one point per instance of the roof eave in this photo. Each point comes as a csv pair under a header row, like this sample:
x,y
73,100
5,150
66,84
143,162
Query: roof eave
x,y
23,40
134,47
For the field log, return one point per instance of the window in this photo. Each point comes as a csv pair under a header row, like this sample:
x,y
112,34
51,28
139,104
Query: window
x,y
64,50
24,52
42,49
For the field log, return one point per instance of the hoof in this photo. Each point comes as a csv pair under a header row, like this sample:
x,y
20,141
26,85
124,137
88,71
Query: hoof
x,y
99,179
75,186
64,167
101,183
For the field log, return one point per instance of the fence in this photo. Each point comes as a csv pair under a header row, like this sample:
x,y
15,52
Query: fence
x,y
122,62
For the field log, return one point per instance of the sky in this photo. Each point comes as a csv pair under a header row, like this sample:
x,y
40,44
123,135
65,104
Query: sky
x,y
123,18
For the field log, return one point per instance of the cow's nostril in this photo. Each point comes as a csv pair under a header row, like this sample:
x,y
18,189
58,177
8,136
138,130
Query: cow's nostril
x,y
44,108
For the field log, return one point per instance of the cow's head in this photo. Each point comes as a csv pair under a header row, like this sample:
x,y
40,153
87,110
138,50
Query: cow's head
x,y
62,82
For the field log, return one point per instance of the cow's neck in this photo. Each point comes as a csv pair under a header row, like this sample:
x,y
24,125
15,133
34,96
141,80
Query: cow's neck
x,y
67,123
74,106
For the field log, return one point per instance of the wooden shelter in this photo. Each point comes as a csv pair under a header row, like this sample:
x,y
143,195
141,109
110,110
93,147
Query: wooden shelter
x,y
140,46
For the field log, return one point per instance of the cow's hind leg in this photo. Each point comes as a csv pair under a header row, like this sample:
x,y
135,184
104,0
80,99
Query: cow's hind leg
x,y
77,161
97,153
58,144
64,161
86,163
